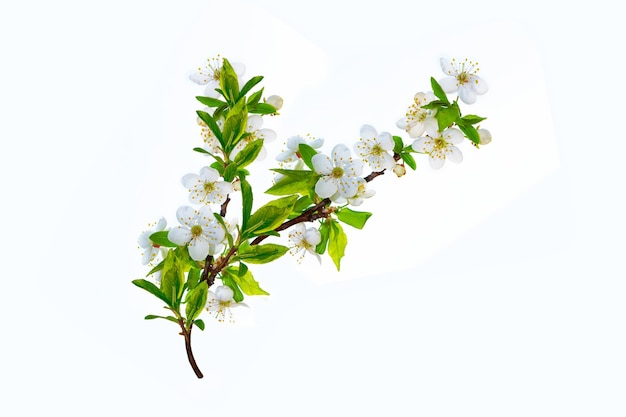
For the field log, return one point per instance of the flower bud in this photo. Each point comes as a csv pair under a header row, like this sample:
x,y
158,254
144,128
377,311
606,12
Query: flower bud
x,y
237,185
276,101
485,136
399,170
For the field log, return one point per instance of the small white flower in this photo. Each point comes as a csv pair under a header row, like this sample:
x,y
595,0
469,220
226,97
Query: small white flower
x,y
199,229
304,240
150,249
205,188
361,194
440,146
292,154
416,118
220,302
209,75
339,177
374,148
462,78
254,128
276,101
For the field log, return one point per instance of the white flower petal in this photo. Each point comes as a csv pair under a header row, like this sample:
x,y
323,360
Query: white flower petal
x,y
322,164
368,132
179,235
446,66
386,142
340,155
254,123
186,215
435,163
325,187
189,181
449,84
453,136
467,94
480,86
198,248
455,155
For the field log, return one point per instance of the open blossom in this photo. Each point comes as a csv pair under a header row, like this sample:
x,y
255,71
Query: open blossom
x,y
151,250
462,78
304,240
361,194
199,229
292,154
374,148
205,187
440,146
220,302
339,176
417,118
255,132
209,75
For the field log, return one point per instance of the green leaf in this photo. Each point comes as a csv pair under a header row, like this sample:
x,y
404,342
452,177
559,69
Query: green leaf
x,y
438,91
249,85
154,316
262,108
220,220
353,218
471,133
271,215
210,122
152,289
307,153
398,144
246,202
247,283
248,154
229,82
210,101
325,234
234,126
293,182
409,160
472,119
199,324
172,277
157,268
230,172
160,238
254,98
446,116
261,254
193,278
202,150
196,301
302,204
337,242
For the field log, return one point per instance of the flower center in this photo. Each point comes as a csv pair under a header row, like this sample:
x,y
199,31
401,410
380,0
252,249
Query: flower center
x,y
377,150
196,231
209,187
336,172
440,144
463,77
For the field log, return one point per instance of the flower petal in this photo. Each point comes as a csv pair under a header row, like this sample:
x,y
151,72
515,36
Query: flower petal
x,y
325,187
435,163
321,164
179,235
341,155
386,142
368,132
480,86
449,84
455,155
467,94
198,248
186,216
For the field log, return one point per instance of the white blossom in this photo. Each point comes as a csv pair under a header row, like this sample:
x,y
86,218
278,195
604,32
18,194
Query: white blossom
x,y
417,118
209,75
361,194
292,153
462,78
255,132
220,302
374,148
205,187
304,240
339,176
151,250
440,146
199,229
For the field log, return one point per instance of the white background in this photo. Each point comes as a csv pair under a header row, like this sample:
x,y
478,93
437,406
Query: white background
x,y
491,288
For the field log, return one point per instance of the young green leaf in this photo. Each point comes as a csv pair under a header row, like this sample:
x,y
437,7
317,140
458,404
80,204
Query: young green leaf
x,y
324,233
193,278
196,301
199,324
409,160
471,133
248,284
438,91
446,116
160,238
229,82
271,215
262,108
261,254
152,289
210,121
472,119
234,126
398,145
246,202
254,98
337,242
210,101
249,85
154,316
353,218
293,182
307,153
248,154
228,280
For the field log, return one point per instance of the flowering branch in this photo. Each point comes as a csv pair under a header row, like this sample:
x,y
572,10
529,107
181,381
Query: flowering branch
x,y
315,192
